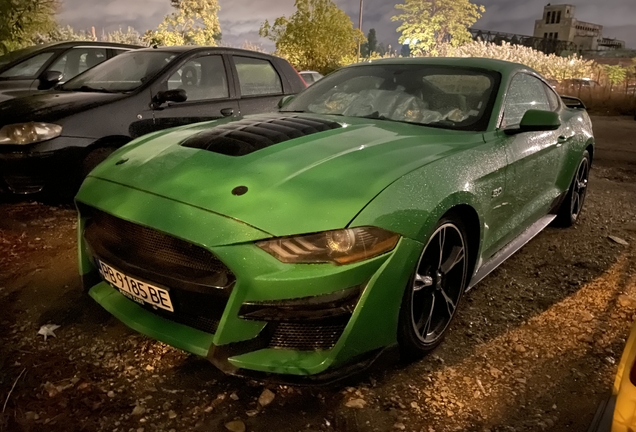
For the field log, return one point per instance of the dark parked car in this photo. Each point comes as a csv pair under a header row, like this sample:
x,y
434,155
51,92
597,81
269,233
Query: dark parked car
x,y
41,67
52,140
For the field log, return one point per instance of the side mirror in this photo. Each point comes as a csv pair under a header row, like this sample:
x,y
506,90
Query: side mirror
x,y
285,100
177,95
537,121
49,79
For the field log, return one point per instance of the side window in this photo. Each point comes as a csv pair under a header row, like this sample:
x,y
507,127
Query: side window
x,y
116,52
257,77
553,98
309,78
525,93
202,78
77,60
27,68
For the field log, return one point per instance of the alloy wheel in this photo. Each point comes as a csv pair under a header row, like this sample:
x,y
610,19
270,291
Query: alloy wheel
x,y
438,283
579,188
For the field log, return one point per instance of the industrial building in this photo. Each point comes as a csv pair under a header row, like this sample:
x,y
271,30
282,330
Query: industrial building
x,y
559,24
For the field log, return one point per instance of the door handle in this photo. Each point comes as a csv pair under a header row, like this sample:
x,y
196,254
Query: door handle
x,y
227,112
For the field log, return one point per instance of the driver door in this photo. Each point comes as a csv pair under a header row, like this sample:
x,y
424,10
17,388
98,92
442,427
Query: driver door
x,y
210,94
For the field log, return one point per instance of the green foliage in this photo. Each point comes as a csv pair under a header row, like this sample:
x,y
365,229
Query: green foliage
x,y
195,22
615,74
428,24
22,20
318,36
550,66
130,36
62,34
371,45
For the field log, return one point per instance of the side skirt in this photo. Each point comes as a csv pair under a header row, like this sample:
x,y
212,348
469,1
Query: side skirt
x,y
510,249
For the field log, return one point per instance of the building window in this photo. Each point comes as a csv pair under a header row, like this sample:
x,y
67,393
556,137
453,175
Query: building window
x,y
545,35
553,20
550,35
547,19
558,20
556,36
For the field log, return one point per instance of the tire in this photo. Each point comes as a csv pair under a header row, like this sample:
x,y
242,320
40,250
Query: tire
x,y
68,188
571,207
434,291
94,158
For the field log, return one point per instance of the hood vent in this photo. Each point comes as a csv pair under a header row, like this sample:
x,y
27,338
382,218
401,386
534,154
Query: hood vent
x,y
242,137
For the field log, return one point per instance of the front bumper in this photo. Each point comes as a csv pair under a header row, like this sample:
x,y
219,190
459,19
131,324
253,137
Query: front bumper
x,y
263,344
30,169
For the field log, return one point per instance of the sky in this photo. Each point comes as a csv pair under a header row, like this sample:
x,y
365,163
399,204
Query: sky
x,y
240,19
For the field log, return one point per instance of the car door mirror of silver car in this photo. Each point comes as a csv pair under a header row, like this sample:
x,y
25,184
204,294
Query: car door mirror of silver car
x,y
176,95
536,121
50,79
285,100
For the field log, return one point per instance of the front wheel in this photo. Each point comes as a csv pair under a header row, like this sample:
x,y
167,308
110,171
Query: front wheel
x,y
572,205
431,299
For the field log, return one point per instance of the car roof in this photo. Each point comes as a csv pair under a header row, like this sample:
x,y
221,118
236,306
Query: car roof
x,y
70,44
225,50
308,71
501,66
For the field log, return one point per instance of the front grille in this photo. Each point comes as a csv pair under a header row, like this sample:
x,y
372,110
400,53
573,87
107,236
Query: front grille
x,y
242,137
154,252
307,336
198,283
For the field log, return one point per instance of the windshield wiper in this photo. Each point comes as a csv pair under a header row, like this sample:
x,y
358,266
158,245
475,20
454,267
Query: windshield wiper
x,y
374,115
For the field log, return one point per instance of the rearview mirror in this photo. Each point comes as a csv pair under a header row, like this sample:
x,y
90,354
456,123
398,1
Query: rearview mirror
x,y
285,100
49,79
176,95
537,121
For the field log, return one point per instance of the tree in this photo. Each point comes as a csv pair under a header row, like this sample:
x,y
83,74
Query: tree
x,y
427,24
195,22
22,20
318,36
62,34
615,74
368,48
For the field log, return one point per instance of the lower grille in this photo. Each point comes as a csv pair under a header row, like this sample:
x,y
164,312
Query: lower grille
x,y
307,336
24,184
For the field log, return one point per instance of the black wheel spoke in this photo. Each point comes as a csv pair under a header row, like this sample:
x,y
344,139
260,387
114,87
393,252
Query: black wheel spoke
x,y
456,256
442,241
450,305
429,318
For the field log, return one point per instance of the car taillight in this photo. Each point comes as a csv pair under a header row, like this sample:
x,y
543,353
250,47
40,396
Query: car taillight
x,y
632,374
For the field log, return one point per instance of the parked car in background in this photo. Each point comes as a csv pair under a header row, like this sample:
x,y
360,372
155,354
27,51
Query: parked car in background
x,y
41,67
553,83
579,83
54,139
311,77
305,242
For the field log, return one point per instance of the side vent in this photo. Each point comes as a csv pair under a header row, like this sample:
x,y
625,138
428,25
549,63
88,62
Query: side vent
x,y
246,136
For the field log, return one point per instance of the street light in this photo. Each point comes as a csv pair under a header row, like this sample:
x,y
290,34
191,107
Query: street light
x,y
360,27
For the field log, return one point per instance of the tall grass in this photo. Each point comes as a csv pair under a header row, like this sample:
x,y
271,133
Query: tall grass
x,y
606,99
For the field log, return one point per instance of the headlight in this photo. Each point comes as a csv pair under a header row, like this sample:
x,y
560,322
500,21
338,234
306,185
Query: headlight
x,y
29,133
339,247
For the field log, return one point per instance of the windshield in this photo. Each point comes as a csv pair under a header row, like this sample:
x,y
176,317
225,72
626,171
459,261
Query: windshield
x,y
123,73
13,55
441,96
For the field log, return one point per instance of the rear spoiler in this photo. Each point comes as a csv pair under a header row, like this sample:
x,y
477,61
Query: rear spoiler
x,y
573,102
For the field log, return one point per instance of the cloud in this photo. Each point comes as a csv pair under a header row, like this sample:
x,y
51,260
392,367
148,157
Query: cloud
x,y
241,19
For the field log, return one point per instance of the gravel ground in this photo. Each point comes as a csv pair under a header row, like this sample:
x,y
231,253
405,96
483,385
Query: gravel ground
x,y
535,346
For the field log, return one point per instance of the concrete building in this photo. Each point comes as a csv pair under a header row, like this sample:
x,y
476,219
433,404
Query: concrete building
x,y
559,23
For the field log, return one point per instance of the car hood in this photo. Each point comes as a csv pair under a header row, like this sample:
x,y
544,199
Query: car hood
x,y
310,183
51,106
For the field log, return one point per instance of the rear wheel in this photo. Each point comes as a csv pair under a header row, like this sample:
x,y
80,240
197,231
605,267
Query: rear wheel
x,y
572,205
430,300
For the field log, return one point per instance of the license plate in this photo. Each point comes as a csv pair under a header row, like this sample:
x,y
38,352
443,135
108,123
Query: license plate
x,y
134,289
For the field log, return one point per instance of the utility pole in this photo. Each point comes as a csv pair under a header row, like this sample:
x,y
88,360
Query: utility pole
x,y
360,27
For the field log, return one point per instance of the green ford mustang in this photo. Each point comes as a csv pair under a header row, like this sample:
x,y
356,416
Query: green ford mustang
x,y
306,242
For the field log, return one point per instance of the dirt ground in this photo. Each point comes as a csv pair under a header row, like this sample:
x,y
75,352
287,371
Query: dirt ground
x,y
535,346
